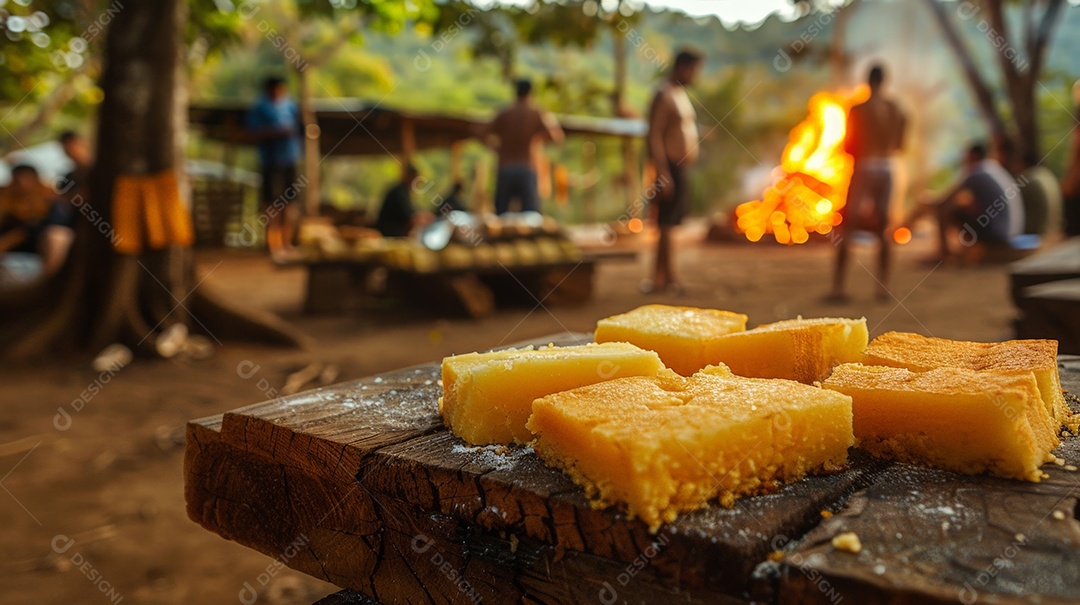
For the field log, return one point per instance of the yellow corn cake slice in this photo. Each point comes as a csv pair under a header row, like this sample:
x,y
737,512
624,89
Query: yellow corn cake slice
x,y
920,353
950,418
680,335
487,397
796,349
665,444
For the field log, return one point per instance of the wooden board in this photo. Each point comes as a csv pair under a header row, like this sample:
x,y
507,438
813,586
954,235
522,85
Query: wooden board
x,y
359,484
1059,262
1052,310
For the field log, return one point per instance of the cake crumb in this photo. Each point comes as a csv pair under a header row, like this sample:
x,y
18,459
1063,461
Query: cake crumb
x,y
1059,461
1071,468
1059,515
776,556
513,543
1020,538
826,514
1045,475
848,542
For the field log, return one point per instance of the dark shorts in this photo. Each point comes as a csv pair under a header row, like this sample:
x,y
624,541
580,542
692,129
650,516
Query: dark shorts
x,y
279,186
672,209
867,206
972,229
518,182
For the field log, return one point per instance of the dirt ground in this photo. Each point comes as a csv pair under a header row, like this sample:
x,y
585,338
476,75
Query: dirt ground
x,y
107,491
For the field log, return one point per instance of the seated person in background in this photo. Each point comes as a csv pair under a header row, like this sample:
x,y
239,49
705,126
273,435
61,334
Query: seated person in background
x,y
77,149
23,206
1042,197
985,206
452,201
397,217
58,230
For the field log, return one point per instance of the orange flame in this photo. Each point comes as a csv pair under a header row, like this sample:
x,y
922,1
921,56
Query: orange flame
x,y
812,181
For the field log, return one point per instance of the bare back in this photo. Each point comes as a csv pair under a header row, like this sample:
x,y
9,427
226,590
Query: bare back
x,y
521,130
875,129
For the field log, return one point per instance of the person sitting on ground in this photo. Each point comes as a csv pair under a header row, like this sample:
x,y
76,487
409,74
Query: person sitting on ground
x,y
23,206
451,202
985,206
397,216
58,229
77,149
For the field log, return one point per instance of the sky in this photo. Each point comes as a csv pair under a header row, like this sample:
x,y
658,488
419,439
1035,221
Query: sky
x,y
731,12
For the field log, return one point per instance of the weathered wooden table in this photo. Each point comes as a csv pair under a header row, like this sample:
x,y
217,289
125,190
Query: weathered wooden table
x,y
361,485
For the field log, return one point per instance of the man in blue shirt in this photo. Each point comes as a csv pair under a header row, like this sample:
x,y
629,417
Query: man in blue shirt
x,y
984,207
274,124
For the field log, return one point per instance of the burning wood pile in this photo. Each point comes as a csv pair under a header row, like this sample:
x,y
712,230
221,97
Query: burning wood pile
x,y
810,185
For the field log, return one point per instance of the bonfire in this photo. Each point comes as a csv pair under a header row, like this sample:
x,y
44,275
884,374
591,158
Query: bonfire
x,y
810,186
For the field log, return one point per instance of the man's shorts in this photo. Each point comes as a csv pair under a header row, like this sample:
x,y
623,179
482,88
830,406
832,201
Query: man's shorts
x,y
671,210
867,207
279,186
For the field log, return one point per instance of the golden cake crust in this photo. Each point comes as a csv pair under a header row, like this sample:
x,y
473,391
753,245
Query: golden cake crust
x,y
953,418
665,444
921,353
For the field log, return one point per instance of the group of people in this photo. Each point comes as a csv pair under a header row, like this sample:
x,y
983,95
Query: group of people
x,y
518,133
997,197
37,221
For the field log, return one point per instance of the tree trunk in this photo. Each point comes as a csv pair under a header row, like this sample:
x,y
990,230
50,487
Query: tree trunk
x,y
103,295
311,145
631,185
1020,74
984,97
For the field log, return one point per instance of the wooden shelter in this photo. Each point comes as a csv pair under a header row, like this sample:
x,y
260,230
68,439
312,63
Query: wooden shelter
x,y
358,127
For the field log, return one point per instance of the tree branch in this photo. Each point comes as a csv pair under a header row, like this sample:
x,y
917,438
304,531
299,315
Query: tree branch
x,y
1043,34
983,96
1008,66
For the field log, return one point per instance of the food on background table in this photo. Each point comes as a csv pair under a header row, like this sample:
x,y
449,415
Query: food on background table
x,y
666,444
526,251
456,256
796,349
921,353
549,249
951,418
485,255
505,254
680,335
487,397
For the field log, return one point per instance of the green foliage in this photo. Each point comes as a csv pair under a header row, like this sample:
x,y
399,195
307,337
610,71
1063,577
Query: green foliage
x,y
36,47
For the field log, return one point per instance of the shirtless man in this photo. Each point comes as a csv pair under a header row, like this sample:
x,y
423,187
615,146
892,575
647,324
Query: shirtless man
x,y
673,148
521,131
875,132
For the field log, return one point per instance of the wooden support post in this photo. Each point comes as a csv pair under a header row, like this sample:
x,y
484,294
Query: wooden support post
x,y
408,140
588,165
631,175
310,140
455,160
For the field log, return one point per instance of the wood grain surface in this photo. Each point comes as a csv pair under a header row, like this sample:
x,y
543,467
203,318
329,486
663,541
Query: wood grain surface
x,y
361,485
